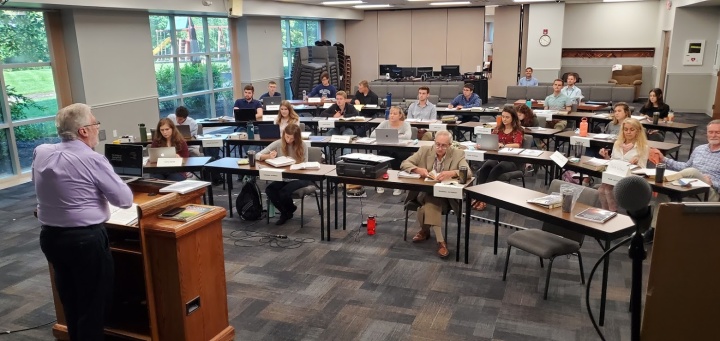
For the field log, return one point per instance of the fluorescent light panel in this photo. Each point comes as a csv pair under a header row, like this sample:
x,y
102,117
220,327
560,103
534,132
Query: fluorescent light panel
x,y
343,2
450,3
620,0
372,6
533,0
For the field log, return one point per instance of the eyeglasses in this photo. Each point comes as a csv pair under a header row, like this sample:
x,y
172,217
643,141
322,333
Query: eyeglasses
x,y
94,124
441,146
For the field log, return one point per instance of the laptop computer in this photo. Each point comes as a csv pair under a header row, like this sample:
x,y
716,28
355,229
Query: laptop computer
x,y
184,131
387,136
244,115
269,131
274,100
488,141
126,160
155,153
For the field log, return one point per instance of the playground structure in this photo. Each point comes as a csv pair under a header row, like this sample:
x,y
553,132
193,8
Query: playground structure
x,y
188,45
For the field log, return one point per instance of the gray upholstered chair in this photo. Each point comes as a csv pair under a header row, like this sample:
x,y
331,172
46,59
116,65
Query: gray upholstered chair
x,y
552,241
520,173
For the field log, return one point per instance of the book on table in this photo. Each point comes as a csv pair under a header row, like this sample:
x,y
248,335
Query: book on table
x,y
404,174
669,175
189,213
595,214
280,161
597,162
305,165
123,216
185,186
531,152
548,201
514,151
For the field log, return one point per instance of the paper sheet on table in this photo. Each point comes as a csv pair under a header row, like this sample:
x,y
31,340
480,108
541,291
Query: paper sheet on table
x,y
367,157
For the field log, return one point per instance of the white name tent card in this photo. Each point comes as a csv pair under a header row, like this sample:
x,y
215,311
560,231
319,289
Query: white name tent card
x,y
272,107
169,162
327,105
448,190
437,126
559,159
482,130
326,124
616,170
314,100
584,141
271,174
475,155
341,138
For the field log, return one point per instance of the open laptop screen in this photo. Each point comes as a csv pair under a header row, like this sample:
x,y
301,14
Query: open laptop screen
x,y
126,159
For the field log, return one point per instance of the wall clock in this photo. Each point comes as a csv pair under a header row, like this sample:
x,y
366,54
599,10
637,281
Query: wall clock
x,y
544,40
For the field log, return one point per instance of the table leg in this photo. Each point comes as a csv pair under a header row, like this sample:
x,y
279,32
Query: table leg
x,y
692,139
345,207
603,293
337,188
497,229
459,226
211,201
467,228
322,211
228,177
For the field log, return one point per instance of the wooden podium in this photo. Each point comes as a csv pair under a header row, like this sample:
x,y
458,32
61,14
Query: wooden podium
x,y
169,275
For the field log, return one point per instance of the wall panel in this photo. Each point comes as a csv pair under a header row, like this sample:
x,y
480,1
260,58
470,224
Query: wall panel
x,y
360,44
505,54
465,35
429,34
394,37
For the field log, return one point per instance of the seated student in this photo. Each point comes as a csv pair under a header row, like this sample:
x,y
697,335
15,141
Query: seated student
x,y
272,86
526,116
655,104
364,95
631,146
167,135
247,102
182,117
510,135
558,101
528,80
468,99
341,108
423,110
324,89
286,116
396,120
280,192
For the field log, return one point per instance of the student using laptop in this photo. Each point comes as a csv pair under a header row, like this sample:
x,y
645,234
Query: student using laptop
x,y
280,192
247,102
286,115
182,117
510,135
167,135
272,86
396,120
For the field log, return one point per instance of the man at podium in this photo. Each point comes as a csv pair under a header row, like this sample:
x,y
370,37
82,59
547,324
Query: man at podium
x,y
74,184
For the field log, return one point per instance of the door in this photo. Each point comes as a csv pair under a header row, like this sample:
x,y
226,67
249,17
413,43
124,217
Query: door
x,y
716,104
664,61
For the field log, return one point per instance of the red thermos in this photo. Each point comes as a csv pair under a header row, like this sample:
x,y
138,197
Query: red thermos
x,y
371,225
583,127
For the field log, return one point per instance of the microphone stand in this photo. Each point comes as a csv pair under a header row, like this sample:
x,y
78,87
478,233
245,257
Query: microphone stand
x,y
638,254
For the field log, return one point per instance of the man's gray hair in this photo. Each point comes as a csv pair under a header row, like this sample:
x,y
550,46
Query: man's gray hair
x,y
713,122
444,132
71,118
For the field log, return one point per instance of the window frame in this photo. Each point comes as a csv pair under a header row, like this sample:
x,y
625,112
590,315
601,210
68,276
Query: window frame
x,y
291,50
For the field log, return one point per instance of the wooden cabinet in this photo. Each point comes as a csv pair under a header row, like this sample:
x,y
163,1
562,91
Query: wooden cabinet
x,y
169,275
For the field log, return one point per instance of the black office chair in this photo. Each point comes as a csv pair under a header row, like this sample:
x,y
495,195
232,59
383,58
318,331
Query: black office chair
x,y
413,205
552,241
314,155
520,173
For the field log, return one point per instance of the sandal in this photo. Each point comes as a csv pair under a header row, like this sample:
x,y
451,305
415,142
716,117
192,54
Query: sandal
x,y
478,205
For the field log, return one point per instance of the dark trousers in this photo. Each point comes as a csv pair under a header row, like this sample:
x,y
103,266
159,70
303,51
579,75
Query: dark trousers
x,y
169,176
84,273
280,194
398,158
492,169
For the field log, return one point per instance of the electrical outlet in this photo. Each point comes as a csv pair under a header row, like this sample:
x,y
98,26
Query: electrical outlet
x,y
101,135
114,133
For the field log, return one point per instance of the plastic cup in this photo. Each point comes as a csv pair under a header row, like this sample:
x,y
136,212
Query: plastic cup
x,y
463,174
567,193
251,158
578,149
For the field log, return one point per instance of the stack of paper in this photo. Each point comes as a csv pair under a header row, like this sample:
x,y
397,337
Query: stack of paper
x,y
123,216
404,174
514,151
365,140
280,161
306,165
597,162
184,186
531,152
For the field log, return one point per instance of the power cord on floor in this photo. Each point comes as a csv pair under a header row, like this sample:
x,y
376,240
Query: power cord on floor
x,y
250,238
25,329
357,234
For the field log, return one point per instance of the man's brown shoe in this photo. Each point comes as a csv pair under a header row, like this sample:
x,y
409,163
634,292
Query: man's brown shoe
x,y
443,250
422,235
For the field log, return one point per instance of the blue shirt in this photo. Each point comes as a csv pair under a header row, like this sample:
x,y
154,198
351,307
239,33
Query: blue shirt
x,y
74,184
525,82
321,90
474,101
267,94
242,103
702,159
574,93
559,102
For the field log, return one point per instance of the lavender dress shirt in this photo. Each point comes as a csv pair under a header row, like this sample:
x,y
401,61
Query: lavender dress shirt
x,y
74,184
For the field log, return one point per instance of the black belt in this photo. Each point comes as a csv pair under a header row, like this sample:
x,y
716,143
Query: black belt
x,y
63,228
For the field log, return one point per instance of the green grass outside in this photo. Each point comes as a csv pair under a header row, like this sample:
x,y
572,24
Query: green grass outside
x,y
32,81
50,105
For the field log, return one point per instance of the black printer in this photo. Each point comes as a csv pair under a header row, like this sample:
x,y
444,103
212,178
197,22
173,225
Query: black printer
x,y
361,168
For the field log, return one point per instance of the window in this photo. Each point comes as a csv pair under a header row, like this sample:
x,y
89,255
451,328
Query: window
x,y
28,101
192,65
296,33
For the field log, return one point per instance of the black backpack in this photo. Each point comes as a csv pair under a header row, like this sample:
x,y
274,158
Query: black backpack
x,y
248,204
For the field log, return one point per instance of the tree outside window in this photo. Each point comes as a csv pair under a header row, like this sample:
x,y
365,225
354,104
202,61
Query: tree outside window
x,y
296,33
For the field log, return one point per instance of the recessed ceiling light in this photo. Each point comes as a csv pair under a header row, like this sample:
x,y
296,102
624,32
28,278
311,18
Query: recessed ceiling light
x,y
343,2
450,3
372,6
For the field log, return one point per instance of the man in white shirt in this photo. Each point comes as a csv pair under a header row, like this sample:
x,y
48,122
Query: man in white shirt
x,y
571,91
528,80
182,117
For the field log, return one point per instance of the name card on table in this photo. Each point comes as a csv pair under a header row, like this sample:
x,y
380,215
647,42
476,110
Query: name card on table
x,y
314,99
340,138
212,143
271,174
437,126
272,107
482,130
475,155
329,124
616,170
451,191
327,105
559,159
169,162
584,141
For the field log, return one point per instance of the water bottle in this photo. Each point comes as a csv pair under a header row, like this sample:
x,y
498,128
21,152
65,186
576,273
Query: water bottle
x,y
388,104
584,127
371,225
305,98
250,131
143,132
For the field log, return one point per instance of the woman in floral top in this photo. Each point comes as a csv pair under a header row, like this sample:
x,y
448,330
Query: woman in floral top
x,y
510,135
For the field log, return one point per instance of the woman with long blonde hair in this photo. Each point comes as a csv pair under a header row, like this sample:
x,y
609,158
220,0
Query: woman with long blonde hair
x,y
286,115
280,192
631,146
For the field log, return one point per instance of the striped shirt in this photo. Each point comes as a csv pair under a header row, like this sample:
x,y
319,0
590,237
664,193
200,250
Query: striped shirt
x,y
702,159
